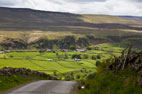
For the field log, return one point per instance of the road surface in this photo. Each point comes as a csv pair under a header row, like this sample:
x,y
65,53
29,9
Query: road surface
x,y
45,87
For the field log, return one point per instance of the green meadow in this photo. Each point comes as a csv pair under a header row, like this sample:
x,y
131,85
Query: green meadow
x,y
62,62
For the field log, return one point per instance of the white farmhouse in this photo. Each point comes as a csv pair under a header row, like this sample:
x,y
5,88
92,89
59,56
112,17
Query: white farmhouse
x,y
81,50
49,59
76,59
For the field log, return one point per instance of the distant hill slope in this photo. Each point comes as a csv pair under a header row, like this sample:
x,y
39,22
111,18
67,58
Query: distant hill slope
x,y
107,19
64,29
28,19
137,18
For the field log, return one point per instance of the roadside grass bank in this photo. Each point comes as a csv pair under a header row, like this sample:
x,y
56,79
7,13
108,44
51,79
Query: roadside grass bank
x,y
121,75
12,77
9,82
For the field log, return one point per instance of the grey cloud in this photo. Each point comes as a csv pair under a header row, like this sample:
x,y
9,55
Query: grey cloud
x,y
135,0
84,1
112,7
6,3
11,2
138,0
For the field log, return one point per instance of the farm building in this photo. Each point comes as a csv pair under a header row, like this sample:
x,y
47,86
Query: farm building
x,y
1,52
96,48
48,50
80,50
76,59
49,60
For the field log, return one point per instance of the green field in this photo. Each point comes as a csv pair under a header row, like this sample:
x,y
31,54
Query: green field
x,y
62,61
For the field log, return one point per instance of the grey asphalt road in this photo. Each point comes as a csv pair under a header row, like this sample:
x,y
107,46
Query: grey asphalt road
x,y
45,87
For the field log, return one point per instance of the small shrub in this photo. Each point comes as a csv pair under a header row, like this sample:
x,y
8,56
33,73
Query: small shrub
x,y
89,48
98,57
66,56
72,48
94,57
78,56
97,63
85,56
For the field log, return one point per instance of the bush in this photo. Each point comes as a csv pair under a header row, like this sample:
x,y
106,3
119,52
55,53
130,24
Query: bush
x,y
89,48
11,56
66,56
54,73
98,57
94,57
72,48
78,76
77,56
85,56
97,63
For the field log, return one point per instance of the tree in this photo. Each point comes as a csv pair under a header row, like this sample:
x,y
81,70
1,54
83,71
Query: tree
x,y
41,51
55,73
97,63
78,76
28,57
98,57
4,56
57,55
66,56
11,56
85,56
94,57
72,48
89,48
77,56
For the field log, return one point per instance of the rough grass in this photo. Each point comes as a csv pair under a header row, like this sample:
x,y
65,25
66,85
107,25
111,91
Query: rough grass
x,y
106,81
107,19
9,82
12,81
109,83
31,36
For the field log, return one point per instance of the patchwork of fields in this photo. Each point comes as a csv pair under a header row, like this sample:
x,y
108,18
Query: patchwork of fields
x,y
62,62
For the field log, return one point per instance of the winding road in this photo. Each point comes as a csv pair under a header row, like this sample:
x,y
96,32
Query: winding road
x,y
45,87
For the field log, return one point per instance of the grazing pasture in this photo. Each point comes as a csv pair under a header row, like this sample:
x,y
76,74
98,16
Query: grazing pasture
x,y
62,62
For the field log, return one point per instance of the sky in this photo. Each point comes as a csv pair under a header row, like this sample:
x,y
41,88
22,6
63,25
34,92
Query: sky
x,y
109,7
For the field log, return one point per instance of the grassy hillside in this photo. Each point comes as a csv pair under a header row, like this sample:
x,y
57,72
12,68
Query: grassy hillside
x,y
31,26
132,17
119,75
15,19
107,19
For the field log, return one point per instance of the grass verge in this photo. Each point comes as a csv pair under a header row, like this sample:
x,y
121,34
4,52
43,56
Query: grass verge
x,y
8,82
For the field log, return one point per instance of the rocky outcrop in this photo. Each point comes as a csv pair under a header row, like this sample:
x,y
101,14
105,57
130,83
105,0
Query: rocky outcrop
x,y
8,71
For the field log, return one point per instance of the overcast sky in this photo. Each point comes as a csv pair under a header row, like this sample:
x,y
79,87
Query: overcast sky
x,y
111,7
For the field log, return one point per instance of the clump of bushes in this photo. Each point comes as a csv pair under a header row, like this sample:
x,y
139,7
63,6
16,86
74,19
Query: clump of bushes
x,y
119,75
77,56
